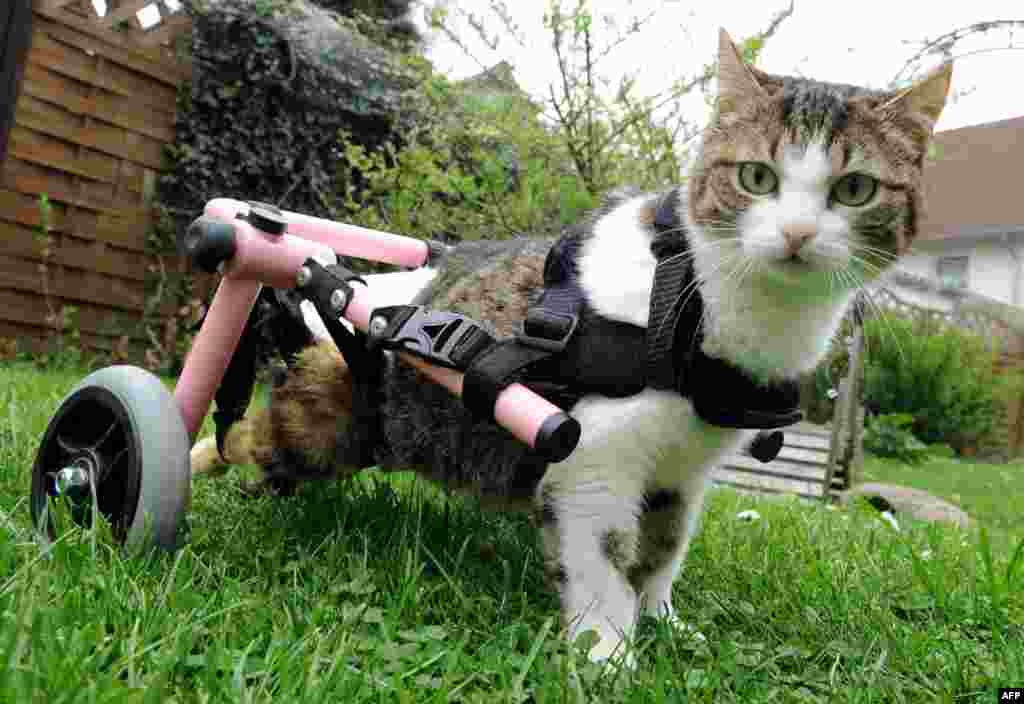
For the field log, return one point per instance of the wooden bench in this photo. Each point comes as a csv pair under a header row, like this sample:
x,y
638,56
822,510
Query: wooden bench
x,y
801,467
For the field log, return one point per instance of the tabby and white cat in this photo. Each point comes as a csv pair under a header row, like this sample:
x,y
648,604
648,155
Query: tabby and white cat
x,y
803,191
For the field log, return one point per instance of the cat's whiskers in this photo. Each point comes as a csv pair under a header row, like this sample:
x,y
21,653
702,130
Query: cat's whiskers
x,y
861,286
695,284
729,286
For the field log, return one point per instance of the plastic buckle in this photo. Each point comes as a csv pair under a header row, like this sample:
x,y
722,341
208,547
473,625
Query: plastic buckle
x,y
444,338
548,343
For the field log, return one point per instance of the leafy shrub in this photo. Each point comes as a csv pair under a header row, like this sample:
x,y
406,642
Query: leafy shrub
x,y
941,451
476,166
941,375
889,435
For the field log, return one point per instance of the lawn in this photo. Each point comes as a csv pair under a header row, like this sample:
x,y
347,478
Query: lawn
x,y
989,493
381,591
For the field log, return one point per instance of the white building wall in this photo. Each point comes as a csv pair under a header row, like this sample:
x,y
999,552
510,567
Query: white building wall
x,y
990,271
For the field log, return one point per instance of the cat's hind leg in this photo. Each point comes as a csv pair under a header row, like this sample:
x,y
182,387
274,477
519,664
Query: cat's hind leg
x,y
307,420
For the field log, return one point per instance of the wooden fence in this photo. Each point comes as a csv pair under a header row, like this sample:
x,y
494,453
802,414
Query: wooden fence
x,y
96,108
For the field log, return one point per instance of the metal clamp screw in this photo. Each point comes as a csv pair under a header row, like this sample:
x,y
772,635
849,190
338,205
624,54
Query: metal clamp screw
x,y
339,300
378,325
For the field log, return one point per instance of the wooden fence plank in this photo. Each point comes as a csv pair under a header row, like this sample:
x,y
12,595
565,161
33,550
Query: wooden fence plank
x,y
34,179
86,25
71,63
51,87
123,232
17,307
126,228
34,338
160,70
42,149
59,58
54,120
159,96
50,5
74,285
23,242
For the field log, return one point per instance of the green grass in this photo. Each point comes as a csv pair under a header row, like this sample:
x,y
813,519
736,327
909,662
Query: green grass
x,y
380,591
991,494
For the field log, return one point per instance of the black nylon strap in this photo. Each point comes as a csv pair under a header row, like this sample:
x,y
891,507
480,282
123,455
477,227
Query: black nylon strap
x,y
548,327
670,278
492,371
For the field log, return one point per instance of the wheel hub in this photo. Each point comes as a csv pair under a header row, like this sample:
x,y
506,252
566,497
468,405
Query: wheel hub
x,y
72,482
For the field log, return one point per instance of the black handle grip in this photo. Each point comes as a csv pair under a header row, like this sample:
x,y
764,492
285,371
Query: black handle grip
x,y
557,438
208,242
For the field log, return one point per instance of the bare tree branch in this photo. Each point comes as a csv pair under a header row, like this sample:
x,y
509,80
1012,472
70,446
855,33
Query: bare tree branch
x,y
442,26
634,28
943,44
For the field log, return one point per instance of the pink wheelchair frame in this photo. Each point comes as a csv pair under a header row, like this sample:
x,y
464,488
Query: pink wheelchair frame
x,y
261,258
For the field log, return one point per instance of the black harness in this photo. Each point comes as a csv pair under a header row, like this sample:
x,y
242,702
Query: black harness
x,y
564,351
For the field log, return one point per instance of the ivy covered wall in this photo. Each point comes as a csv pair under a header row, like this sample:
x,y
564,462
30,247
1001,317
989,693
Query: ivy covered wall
x,y
275,82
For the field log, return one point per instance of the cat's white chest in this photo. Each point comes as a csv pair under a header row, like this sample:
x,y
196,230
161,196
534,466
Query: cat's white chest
x,y
651,439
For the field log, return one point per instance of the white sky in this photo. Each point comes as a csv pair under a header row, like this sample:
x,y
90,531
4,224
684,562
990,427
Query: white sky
x,y
861,42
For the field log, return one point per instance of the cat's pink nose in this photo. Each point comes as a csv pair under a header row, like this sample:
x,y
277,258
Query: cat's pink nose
x,y
797,236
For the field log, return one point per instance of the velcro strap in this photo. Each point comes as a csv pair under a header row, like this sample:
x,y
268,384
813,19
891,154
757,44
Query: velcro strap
x,y
551,326
222,422
493,370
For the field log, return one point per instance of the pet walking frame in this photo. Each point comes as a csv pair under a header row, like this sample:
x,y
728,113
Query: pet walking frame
x,y
119,442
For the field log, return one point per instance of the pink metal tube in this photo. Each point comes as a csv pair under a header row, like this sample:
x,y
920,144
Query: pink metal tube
x,y
529,417
276,261
347,240
212,349
273,259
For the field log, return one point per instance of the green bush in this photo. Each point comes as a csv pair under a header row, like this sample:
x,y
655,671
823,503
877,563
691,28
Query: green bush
x,y
482,166
890,435
942,376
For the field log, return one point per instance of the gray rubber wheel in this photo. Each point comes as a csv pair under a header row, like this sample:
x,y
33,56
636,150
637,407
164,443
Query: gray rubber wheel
x,y
119,431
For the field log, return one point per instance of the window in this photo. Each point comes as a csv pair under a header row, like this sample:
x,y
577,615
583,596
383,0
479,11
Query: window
x,y
953,272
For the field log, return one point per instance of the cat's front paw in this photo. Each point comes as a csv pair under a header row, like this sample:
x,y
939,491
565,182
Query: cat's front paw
x,y
606,649
686,629
665,612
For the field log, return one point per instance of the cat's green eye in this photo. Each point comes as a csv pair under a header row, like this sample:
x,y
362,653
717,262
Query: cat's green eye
x,y
758,178
854,190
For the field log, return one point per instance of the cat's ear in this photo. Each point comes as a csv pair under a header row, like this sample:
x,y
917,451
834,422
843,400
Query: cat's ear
x,y
736,84
926,97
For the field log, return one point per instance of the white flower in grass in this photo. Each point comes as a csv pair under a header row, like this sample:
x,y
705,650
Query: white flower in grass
x,y
749,516
891,520
926,554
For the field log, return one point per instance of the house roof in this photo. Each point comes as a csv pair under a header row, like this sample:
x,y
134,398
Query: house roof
x,y
972,187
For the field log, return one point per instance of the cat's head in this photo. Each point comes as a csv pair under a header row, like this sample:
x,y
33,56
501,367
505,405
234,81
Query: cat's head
x,y
800,180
